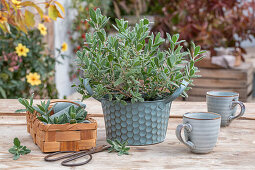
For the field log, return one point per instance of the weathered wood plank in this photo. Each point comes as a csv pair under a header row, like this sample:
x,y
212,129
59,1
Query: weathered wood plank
x,y
94,107
239,73
238,79
194,98
235,149
198,91
221,83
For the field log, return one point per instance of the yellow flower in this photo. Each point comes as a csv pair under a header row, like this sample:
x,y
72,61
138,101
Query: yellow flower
x,y
46,18
42,29
21,50
64,47
33,79
2,18
16,3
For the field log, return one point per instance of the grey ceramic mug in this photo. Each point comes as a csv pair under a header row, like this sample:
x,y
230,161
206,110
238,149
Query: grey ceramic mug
x,y
200,130
224,103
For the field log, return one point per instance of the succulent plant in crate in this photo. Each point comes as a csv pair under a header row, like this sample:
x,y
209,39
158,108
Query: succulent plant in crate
x,y
44,111
129,71
76,115
28,105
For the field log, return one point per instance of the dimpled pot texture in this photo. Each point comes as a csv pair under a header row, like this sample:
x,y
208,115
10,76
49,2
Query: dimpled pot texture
x,y
141,123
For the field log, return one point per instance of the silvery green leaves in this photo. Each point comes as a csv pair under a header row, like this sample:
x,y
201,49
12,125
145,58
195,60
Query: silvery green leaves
x,y
119,147
43,110
74,115
18,150
28,105
130,65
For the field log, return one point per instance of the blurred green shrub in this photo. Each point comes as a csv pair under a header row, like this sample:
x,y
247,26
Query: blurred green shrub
x,y
26,65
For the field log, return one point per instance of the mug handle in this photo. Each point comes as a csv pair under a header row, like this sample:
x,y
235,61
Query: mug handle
x,y
179,136
234,103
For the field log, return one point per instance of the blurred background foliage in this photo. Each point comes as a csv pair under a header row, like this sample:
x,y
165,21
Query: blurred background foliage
x,y
14,68
19,13
26,64
209,23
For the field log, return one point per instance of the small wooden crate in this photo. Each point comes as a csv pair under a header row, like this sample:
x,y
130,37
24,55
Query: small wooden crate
x,y
239,79
62,137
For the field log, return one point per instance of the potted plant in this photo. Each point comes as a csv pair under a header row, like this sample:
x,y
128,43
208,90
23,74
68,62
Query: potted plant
x,y
133,78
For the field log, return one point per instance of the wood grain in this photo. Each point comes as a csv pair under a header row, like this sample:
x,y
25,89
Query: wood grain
x,y
235,149
239,79
243,92
238,73
94,108
220,83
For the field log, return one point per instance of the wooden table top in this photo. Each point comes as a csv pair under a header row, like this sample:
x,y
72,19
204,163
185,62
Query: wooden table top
x,y
235,148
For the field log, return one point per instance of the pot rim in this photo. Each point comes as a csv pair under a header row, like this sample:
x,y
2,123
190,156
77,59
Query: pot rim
x,y
151,101
234,94
219,116
129,102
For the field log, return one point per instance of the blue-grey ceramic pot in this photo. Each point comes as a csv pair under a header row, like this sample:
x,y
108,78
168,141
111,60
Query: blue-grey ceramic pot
x,y
140,123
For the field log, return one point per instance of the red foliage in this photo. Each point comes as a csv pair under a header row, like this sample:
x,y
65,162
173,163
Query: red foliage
x,y
209,23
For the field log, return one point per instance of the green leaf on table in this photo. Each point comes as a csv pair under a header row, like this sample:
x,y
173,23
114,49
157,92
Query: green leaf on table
x,y
16,156
16,142
18,150
119,147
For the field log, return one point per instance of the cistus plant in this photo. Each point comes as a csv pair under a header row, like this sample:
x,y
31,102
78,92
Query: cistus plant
x,y
80,26
130,66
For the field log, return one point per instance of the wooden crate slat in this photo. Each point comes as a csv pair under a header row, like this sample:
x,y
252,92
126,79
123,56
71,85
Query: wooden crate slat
x,y
88,134
235,74
239,79
69,127
41,134
83,144
83,126
50,136
69,146
220,83
51,146
68,136
199,91
203,99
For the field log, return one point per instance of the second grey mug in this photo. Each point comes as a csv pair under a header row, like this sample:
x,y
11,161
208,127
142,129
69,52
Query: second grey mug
x,y
200,130
224,103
